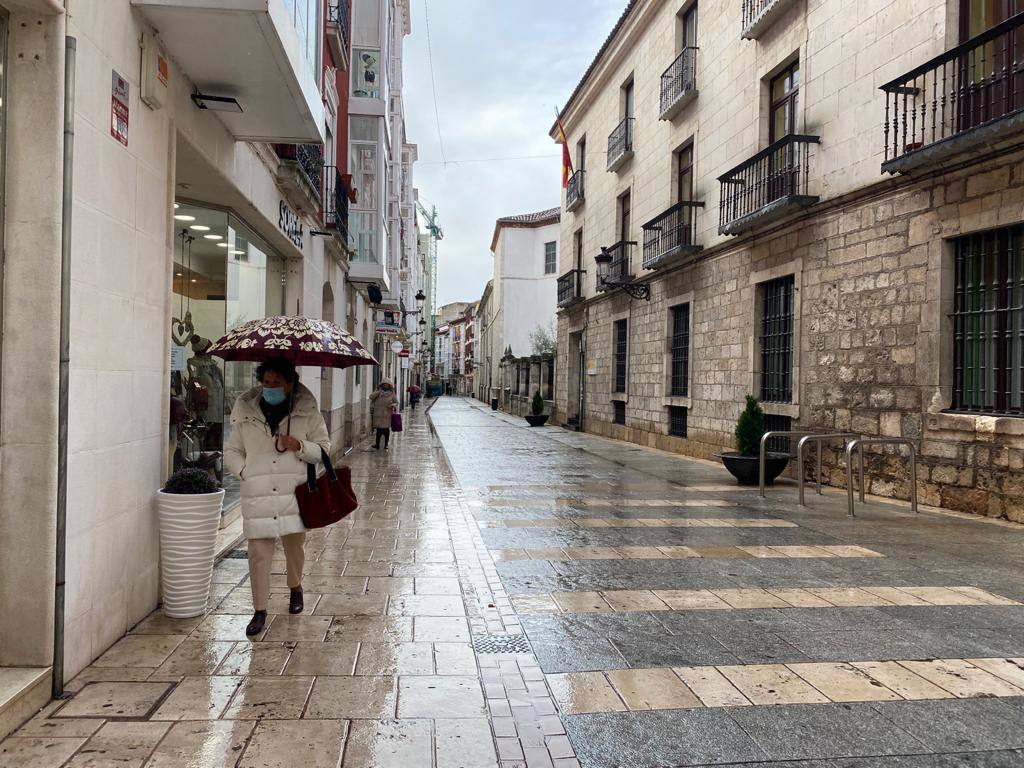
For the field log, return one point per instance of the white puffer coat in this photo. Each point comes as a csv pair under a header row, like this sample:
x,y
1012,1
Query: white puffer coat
x,y
269,478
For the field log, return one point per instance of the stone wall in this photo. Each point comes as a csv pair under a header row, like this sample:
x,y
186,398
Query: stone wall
x,y
873,276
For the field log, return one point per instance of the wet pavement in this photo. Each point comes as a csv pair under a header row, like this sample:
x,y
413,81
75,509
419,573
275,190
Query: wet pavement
x,y
543,599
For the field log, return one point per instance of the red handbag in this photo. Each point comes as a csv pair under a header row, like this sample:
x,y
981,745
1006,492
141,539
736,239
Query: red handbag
x,y
326,499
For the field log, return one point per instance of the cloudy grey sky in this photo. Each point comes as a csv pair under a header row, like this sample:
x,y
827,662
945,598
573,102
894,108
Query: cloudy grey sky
x,y
501,67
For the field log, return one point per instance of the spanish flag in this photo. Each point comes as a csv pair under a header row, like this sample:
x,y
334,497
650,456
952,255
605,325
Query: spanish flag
x,y
566,158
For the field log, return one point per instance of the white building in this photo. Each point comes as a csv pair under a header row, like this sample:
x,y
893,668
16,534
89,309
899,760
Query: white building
x,y
202,194
523,292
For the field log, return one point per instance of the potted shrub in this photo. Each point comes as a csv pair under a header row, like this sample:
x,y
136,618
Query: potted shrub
x,y
189,506
743,464
537,418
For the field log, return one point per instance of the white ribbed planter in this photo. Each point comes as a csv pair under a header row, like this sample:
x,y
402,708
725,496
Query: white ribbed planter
x,y
188,540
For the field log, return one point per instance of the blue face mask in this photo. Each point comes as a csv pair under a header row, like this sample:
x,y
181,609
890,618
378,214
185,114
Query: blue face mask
x,y
274,395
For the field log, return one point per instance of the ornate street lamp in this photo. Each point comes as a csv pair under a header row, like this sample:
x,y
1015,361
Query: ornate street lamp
x,y
605,278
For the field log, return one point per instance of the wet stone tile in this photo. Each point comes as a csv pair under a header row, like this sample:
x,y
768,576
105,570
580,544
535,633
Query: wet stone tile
x,y
198,698
37,751
114,700
121,744
389,744
285,744
440,696
275,698
215,744
352,698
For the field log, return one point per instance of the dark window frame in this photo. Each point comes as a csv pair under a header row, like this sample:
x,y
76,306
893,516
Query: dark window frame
x,y
789,102
679,351
678,416
988,323
620,351
619,412
682,173
777,334
551,257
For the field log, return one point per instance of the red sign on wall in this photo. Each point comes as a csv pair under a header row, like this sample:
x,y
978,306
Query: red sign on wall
x,y
119,90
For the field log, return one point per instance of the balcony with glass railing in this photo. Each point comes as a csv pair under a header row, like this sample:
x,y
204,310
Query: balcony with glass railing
x,y
768,186
679,84
970,97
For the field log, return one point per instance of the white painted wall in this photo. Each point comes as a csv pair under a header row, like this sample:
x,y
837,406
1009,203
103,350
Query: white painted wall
x,y
528,296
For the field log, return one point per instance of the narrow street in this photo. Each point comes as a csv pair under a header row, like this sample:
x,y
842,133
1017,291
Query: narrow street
x,y
514,597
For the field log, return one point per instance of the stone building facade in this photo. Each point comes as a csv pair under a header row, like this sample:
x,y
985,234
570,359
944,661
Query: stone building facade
x,y
840,294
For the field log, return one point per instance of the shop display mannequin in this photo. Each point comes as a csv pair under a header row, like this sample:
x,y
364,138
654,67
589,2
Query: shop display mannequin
x,y
203,370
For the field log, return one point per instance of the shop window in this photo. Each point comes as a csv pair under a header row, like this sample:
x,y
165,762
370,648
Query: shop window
x,y
224,275
988,323
680,351
618,412
777,340
677,421
621,354
366,73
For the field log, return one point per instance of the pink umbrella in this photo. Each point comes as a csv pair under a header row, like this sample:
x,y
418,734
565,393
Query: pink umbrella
x,y
301,340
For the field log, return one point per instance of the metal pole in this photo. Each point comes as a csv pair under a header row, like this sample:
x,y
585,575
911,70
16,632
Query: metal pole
x,y
849,478
67,203
861,454
760,465
913,478
800,470
819,468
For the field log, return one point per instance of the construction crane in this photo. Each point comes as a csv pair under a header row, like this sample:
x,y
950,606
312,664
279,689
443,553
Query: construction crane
x,y
434,235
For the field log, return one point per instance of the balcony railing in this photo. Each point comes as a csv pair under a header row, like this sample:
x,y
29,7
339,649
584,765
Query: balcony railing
x,y
335,202
679,83
620,270
671,234
771,183
958,99
570,287
758,15
574,191
308,160
620,144
338,12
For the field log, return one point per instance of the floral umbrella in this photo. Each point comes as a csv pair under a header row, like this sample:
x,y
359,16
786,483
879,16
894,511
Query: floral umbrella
x,y
301,340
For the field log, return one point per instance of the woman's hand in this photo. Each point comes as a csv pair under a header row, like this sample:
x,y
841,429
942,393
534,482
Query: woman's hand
x,y
289,443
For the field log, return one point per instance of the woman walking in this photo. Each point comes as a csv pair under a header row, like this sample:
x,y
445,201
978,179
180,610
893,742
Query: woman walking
x,y
276,429
384,404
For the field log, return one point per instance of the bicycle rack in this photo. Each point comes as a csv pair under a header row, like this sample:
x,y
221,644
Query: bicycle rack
x,y
817,439
764,439
858,445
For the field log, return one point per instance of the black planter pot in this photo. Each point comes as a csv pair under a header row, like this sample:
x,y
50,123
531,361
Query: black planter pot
x,y
746,468
537,421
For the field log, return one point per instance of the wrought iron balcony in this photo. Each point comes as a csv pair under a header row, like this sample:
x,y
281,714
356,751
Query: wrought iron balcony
x,y
574,191
671,235
620,269
679,84
301,173
620,144
771,184
338,29
969,96
336,202
758,15
570,288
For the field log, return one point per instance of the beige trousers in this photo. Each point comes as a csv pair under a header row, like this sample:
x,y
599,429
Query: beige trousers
x,y
261,555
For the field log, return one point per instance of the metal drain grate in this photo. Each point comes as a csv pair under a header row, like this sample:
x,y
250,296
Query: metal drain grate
x,y
501,644
237,554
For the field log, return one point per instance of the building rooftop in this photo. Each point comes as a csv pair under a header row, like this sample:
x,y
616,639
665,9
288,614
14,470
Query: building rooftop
x,y
538,219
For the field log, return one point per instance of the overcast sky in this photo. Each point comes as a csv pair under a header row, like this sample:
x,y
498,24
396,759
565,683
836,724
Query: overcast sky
x,y
501,68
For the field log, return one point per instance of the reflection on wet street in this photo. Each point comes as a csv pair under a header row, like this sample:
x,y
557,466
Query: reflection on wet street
x,y
508,596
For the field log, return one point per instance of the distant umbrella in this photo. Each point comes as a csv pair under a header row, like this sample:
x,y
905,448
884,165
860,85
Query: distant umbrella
x,y
301,340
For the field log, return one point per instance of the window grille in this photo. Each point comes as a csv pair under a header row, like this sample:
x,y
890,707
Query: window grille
x,y
618,412
677,421
681,351
773,423
777,340
621,352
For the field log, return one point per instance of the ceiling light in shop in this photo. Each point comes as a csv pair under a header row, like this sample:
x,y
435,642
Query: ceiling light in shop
x,y
214,237
199,228
183,217
177,274
222,245
237,253
194,280
177,206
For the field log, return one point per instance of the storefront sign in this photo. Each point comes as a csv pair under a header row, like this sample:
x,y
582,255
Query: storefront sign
x,y
289,222
591,367
178,358
397,347
119,90
406,364
390,324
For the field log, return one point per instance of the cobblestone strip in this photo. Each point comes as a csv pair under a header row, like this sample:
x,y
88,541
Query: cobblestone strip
x,y
528,732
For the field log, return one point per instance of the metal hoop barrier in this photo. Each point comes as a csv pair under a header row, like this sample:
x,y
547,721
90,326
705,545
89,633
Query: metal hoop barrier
x,y
859,446
818,440
764,439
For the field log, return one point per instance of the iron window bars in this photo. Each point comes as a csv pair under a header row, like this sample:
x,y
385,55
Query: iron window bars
x,y
575,190
776,423
680,351
335,201
618,412
677,416
777,340
976,83
570,287
338,12
988,323
620,141
669,231
621,354
679,78
776,175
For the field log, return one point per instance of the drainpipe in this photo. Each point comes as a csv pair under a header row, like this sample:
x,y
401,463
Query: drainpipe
x,y
70,51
